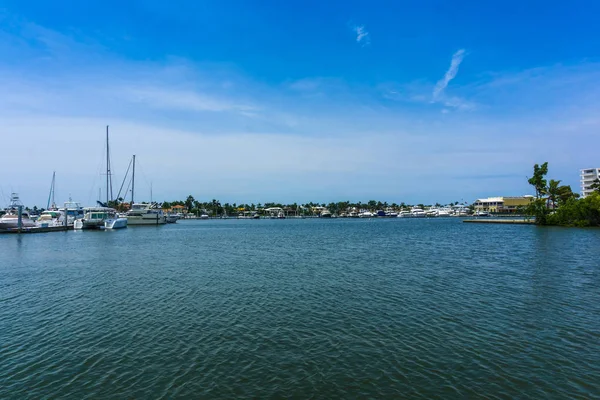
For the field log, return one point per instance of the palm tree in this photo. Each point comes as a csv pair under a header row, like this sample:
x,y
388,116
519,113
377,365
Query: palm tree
x,y
553,191
189,202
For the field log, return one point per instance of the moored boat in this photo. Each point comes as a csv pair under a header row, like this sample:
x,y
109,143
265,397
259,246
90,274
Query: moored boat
x,y
404,214
145,214
418,213
95,218
171,218
50,218
10,219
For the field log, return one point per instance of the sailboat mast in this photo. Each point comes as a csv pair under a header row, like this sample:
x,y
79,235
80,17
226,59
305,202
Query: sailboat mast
x,y
51,194
133,180
53,187
107,165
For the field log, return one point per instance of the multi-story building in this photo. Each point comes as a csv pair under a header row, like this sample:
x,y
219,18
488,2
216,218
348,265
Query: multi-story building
x,y
587,177
502,204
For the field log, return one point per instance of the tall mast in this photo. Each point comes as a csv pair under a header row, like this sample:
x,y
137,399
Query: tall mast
x,y
51,194
133,180
53,188
107,165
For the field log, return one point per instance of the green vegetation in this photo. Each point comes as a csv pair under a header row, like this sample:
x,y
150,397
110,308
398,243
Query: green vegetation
x,y
216,209
558,205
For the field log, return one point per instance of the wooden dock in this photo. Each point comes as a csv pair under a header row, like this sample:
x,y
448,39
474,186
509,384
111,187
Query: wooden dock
x,y
501,221
38,230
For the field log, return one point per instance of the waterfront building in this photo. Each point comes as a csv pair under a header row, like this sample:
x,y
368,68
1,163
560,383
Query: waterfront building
x,y
587,177
502,204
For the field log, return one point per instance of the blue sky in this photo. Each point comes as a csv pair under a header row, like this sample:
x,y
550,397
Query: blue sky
x,y
298,101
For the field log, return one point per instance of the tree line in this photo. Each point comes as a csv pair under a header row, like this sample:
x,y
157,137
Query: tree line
x,y
216,208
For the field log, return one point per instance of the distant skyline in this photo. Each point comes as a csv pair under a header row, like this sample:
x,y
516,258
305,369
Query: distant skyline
x,y
271,101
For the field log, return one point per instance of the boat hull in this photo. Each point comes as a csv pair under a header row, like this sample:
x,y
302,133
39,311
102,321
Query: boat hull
x,y
9,224
87,224
152,220
116,223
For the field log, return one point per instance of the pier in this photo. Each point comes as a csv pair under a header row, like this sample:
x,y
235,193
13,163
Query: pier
x,y
38,229
501,221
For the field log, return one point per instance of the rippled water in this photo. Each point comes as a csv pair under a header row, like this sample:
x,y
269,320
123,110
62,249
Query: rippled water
x,y
302,308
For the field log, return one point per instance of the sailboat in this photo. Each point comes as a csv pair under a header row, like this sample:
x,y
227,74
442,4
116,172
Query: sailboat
x,y
53,215
143,213
102,217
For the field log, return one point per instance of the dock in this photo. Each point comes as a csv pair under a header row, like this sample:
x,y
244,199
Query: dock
x,y
38,230
502,221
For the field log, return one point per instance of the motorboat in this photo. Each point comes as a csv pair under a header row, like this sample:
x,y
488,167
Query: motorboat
x,y
204,216
115,223
461,211
50,218
74,211
145,214
100,218
443,212
432,212
171,218
404,214
418,213
11,217
365,214
55,216
482,214
325,214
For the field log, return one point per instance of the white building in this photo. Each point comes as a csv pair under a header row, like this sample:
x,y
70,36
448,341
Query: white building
x,y
587,178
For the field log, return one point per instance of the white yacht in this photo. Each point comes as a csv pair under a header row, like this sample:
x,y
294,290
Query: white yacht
x,y
74,211
171,218
418,213
50,218
461,211
432,212
55,216
444,212
100,218
325,214
115,223
145,214
11,217
365,214
404,214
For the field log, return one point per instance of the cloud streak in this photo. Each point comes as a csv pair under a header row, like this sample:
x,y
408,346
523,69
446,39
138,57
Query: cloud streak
x,y
362,36
441,85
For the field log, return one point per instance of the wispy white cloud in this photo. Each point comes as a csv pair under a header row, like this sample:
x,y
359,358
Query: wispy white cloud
x,y
362,36
441,85
185,100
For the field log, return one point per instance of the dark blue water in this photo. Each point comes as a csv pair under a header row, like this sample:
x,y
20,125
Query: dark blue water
x,y
302,308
